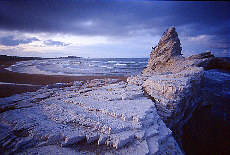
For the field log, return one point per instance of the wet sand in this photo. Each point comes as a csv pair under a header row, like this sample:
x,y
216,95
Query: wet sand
x,y
35,79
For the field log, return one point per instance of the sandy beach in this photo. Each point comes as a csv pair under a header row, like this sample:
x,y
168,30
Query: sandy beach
x,y
37,80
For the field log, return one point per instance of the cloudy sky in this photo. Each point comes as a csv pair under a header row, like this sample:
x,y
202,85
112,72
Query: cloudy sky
x,y
110,29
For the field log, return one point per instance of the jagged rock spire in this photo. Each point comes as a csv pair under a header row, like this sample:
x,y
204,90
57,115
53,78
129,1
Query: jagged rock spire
x,y
171,38
167,48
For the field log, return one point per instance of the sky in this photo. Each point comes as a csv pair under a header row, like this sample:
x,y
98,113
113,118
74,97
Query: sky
x,y
126,29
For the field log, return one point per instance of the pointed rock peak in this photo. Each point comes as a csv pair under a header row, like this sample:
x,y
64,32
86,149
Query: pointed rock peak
x,y
171,30
170,34
169,44
168,47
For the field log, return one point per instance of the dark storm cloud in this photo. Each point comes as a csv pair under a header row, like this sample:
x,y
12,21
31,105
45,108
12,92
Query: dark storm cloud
x,y
112,18
54,43
117,19
11,41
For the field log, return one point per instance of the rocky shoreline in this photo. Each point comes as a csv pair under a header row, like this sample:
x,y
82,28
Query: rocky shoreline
x,y
139,116
175,83
110,112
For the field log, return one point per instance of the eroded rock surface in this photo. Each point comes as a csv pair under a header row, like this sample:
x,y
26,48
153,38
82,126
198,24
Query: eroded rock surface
x,y
114,115
175,83
167,48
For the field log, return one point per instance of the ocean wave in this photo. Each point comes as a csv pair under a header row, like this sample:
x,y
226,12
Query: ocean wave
x,y
86,69
96,61
143,62
104,66
118,64
129,62
112,61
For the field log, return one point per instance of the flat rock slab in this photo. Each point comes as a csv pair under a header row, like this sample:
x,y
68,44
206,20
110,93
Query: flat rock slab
x,y
115,115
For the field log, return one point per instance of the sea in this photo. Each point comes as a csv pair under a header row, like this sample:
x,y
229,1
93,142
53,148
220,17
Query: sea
x,y
82,66
207,132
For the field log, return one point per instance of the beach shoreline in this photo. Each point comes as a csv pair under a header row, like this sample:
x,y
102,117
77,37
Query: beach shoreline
x,y
37,80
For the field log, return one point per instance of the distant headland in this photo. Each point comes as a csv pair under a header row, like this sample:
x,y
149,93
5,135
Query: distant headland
x,y
18,58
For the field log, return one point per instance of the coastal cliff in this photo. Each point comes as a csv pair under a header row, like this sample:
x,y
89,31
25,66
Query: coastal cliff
x,y
107,116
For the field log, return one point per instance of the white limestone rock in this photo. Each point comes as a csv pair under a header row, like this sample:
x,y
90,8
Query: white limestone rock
x,y
109,112
167,48
174,83
72,139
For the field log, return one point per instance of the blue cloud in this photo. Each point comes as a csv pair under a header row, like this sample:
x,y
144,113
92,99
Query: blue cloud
x,y
10,41
54,43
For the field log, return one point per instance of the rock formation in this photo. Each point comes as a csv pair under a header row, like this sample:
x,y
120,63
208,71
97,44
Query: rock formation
x,y
167,48
175,83
114,115
217,63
